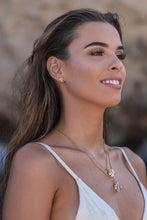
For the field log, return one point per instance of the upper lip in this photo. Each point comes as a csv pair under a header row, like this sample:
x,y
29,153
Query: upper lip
x,y
112,78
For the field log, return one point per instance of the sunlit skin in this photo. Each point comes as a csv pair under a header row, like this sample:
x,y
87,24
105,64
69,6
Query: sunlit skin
x,y
88,65
94,55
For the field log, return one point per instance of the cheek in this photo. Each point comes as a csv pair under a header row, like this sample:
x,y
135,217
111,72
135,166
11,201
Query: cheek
x,y
85,70
83,78
124,73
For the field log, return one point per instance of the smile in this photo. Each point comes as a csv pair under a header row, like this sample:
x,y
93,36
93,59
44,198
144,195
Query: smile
x,y
112,82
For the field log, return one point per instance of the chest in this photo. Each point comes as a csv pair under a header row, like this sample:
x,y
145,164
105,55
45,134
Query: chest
x,y
127,204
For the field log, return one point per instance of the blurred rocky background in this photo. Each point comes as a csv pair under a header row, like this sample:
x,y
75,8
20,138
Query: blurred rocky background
x,y
22,21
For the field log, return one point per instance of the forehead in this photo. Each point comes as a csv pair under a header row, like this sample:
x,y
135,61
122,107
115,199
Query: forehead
x,y
96,31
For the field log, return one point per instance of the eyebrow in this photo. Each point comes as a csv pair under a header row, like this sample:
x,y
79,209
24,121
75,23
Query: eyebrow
x,y
103,45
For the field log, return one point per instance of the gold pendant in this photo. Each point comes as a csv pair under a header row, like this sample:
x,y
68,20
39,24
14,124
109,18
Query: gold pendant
x,y
110,172
117,186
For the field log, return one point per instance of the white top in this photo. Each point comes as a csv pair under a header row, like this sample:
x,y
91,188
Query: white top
x,y
91,206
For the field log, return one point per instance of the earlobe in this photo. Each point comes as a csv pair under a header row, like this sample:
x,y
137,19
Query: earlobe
x,y
61,79
54,69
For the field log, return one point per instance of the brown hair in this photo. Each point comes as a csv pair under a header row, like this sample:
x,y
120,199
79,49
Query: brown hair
x,y
40,103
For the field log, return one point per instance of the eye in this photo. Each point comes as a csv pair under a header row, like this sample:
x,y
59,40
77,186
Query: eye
x,y
121,56
97,52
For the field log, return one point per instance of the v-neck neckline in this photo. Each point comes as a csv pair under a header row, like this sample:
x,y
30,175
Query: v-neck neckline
x,y
77,178
79,181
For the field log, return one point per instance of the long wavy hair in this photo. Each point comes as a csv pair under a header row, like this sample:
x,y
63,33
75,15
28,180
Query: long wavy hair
x,y
39,96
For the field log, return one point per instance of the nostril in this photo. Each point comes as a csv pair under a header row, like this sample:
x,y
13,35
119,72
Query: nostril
x,y
116,68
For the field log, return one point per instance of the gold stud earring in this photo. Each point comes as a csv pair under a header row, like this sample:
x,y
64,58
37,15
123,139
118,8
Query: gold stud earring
x,y
61,79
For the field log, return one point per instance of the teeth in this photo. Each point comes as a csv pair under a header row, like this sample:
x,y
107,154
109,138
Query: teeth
x,y
114,82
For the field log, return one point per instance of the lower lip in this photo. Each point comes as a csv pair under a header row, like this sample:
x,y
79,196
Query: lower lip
x,y
112,85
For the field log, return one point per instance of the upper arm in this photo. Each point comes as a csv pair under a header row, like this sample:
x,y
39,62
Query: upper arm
x,y
138,164
31,187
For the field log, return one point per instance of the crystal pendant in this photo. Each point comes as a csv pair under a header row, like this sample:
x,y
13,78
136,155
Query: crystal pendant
x,y
110,172
117,186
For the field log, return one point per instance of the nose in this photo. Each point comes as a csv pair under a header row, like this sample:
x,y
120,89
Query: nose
x,y
115,66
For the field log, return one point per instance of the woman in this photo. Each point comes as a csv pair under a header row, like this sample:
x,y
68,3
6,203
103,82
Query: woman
x,y
61,166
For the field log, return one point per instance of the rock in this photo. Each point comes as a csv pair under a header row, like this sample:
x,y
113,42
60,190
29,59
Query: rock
x,y
21,22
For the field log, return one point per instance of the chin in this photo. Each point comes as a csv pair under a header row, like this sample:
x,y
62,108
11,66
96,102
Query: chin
x,y
113,102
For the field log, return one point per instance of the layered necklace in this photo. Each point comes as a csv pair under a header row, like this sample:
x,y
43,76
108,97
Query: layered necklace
x,y
108,171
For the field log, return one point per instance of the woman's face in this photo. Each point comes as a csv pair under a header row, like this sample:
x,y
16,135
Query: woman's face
x,y
94,71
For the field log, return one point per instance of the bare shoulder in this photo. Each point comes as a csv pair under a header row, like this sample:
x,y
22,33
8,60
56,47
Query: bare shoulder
x,y
32,185
33,157
138,165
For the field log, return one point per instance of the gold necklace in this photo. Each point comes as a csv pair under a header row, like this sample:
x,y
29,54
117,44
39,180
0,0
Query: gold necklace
x,y
108,171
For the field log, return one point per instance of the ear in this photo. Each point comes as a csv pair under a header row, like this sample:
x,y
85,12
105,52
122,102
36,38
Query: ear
x,y
54,68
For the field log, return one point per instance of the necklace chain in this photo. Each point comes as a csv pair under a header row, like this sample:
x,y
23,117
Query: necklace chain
x,y
108,171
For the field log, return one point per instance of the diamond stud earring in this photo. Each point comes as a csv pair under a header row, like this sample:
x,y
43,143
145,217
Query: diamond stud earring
x,y
61,79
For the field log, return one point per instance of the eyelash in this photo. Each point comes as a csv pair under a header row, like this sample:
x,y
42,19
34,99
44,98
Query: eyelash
x,y
101,53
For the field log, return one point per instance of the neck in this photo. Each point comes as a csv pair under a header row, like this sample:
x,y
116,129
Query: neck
x,y
83,124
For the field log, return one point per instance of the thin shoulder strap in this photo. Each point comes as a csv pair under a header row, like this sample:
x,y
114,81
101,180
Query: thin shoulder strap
x,y
127,159
59,159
